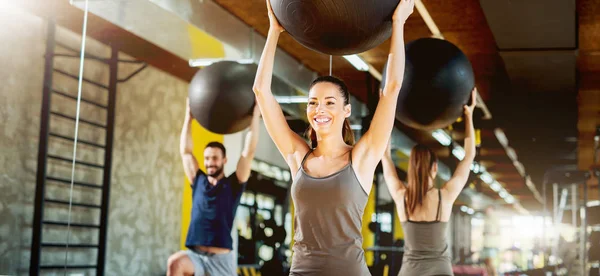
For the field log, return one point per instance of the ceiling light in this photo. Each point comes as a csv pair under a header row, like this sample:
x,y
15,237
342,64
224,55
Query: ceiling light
x,y
521,209
356,127
509,199
528,181
487,178
442,137
476,168
496,186
458,152
520,168
291,99
464,208
201,62
357,62
501,137
512,154
503,194
470,211
593,203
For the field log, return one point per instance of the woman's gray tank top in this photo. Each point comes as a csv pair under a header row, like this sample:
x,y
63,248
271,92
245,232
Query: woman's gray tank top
x,y
426,249
328,223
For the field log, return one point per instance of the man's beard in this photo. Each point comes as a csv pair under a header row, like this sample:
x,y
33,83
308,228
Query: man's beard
x,y
217,172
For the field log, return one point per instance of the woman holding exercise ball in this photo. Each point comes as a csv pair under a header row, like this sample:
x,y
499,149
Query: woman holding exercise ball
x,y
332,176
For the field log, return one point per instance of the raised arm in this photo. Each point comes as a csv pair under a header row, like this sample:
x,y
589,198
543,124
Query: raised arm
x,y
245,162
370,148
287,141
186,146
393,182
458,180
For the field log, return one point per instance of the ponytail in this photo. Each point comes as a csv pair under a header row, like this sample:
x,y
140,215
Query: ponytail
x,y
347,133
419,172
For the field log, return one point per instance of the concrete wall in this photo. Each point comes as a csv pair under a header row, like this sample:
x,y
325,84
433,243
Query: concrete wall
x,y
147,177
20,98
144,214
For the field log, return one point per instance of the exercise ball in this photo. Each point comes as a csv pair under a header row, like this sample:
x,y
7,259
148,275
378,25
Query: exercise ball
x,y
221,97
438,80
336,27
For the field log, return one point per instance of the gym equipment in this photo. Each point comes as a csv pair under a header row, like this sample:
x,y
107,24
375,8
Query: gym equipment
x,y
438,80
278,233
336,27
594,250
569,192
221,97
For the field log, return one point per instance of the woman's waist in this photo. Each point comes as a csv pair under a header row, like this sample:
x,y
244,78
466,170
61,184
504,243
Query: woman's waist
x,y
328,249
348,258
441,254
320,233
433,266
425,242
311,264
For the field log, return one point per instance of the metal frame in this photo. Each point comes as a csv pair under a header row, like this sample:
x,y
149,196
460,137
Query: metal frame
x,y
43,156
584,234
253,209
77,78
34,263
110,126
134,73
563,184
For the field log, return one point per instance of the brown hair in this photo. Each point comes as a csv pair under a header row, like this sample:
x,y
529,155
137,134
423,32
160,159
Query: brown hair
x,y
346,130
421,161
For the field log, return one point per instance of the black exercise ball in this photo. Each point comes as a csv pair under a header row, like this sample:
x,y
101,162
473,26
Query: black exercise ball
x,y
336,27
438,80
221,97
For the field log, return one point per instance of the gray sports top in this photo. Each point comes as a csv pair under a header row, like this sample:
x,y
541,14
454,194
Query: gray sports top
x,y
328,222
425,247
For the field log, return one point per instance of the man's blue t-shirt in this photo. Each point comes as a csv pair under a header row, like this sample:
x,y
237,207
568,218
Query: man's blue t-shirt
x,y
213,211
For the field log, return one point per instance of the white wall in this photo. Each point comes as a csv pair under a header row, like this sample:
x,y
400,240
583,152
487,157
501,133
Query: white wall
x,y
234,144
265,150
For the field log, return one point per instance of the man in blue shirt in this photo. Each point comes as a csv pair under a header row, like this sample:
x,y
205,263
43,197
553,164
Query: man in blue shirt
x,y
215,199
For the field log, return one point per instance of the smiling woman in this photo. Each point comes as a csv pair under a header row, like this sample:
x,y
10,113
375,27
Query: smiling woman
x,y
332,176
328,97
